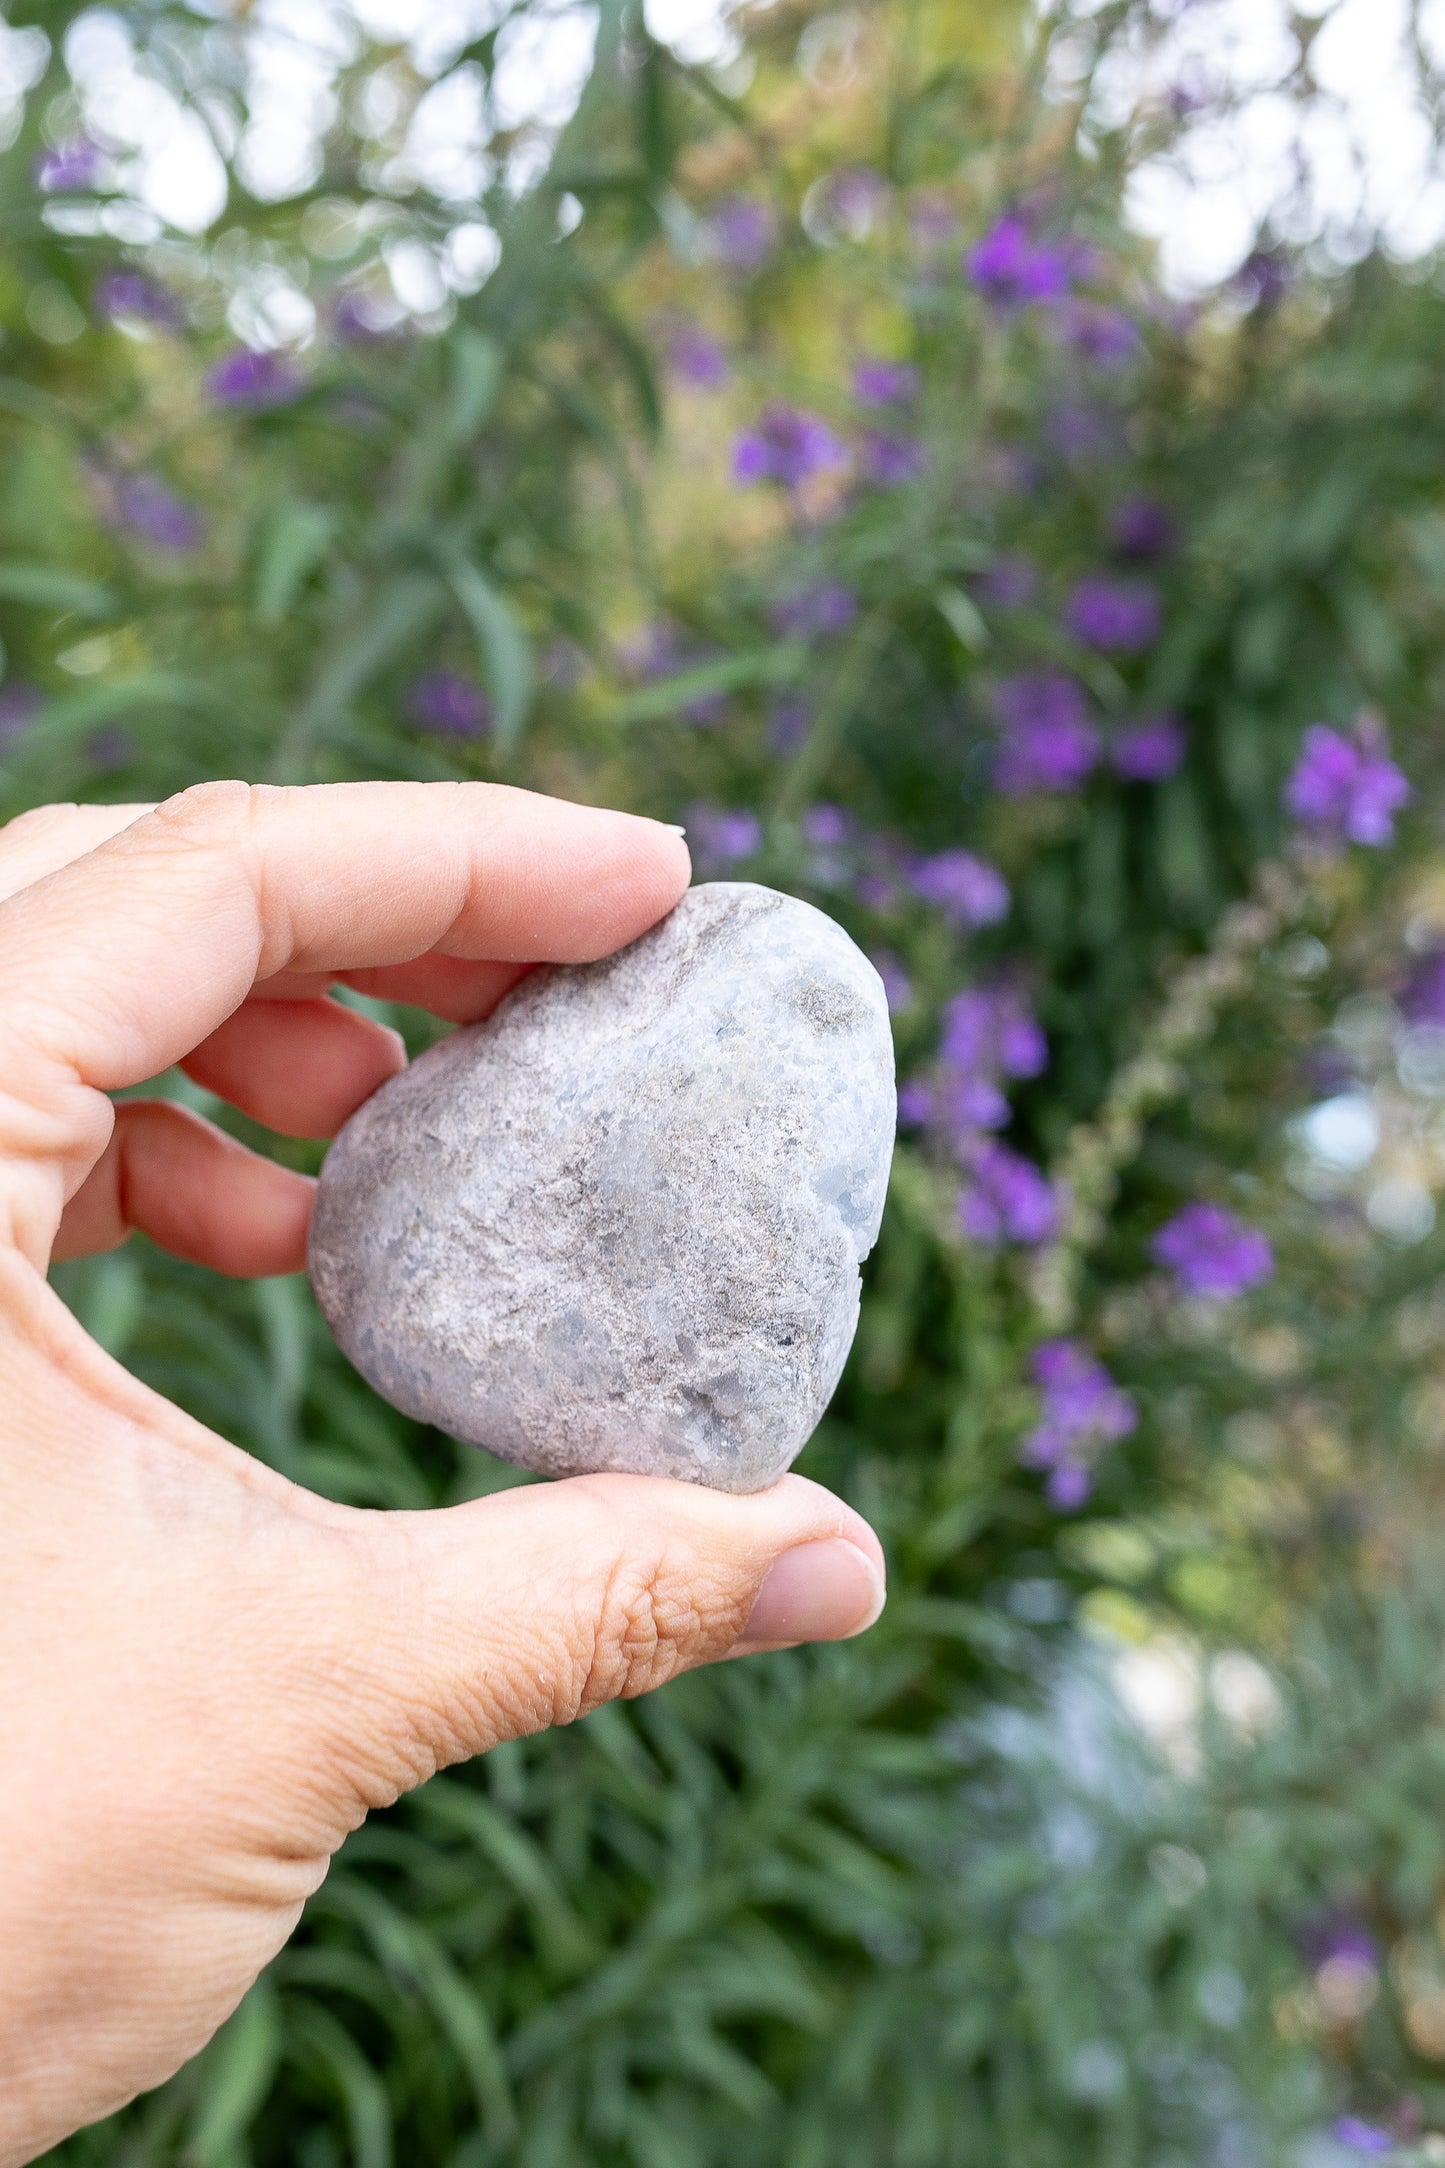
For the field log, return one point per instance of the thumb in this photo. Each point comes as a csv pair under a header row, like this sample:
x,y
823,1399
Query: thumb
x,y
498,1618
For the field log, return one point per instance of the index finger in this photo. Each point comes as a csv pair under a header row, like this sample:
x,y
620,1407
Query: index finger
x,y
50,836
117,964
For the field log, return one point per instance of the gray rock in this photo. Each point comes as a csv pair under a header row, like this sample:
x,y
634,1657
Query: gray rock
x,y
619,1224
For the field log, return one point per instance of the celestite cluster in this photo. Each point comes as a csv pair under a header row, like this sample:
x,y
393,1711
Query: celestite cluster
x,y
619,1224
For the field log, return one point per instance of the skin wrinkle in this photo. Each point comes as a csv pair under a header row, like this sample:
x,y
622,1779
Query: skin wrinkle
x,y
593,1638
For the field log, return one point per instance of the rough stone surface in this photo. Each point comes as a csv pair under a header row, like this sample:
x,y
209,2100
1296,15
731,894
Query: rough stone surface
x,y
619,1224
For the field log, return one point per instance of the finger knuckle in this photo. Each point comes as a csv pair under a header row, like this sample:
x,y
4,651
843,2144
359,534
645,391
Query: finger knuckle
x,y
207,812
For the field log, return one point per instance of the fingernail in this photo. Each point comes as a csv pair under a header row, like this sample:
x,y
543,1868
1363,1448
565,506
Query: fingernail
x,y
823,1591
674,828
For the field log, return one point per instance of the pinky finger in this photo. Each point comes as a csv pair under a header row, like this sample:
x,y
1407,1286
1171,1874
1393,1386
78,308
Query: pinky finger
x,y
194,1191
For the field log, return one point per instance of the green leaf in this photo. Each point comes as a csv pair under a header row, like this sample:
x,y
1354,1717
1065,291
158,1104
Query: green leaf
x,y
1325,517
503,646
293,543
68,717
721,2069
115,1300
477,363
1183,855
780,663
960,612
240,2065
49,588
403,610
521,1863
1369,627
285,1316
27,402
408,1949
1249,773
1103,877
328,2051
630,351
1263,635
655,130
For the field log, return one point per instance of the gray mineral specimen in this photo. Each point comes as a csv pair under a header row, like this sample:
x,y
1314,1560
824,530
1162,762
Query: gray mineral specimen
x,y
619,1224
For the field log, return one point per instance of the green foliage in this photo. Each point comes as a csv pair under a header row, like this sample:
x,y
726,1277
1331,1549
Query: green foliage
x,y
927,1901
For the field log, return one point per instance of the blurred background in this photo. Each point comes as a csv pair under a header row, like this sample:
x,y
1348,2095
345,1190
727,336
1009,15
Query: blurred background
x,y
979,464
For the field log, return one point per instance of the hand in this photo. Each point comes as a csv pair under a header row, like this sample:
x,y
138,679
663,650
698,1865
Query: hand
x,y
209,1676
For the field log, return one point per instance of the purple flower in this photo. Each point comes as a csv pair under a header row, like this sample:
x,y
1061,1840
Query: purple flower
x,y
122,295
890,459
1363,2137
1263,279
1102,335
1121,616
1010,583
915,1103
991,1029
897,991
360,318
884,383
1150,752
1011,268
845,204
1143,528
1210,1252
72,168
989,1034
1006,1199
451,705
1084,433
251,381
1346,789
966,1104
697,359
788,725
20,703
153,511
656,651
705,710
1082,1411
110,749
1326,1070
875,891
1337,1936
1186,98
1048,742
826,827
823,606
720,835
1423,1000
967,890
742,232
788,445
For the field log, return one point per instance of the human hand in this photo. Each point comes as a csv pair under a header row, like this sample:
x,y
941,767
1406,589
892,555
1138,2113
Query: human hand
x,y
209,1675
